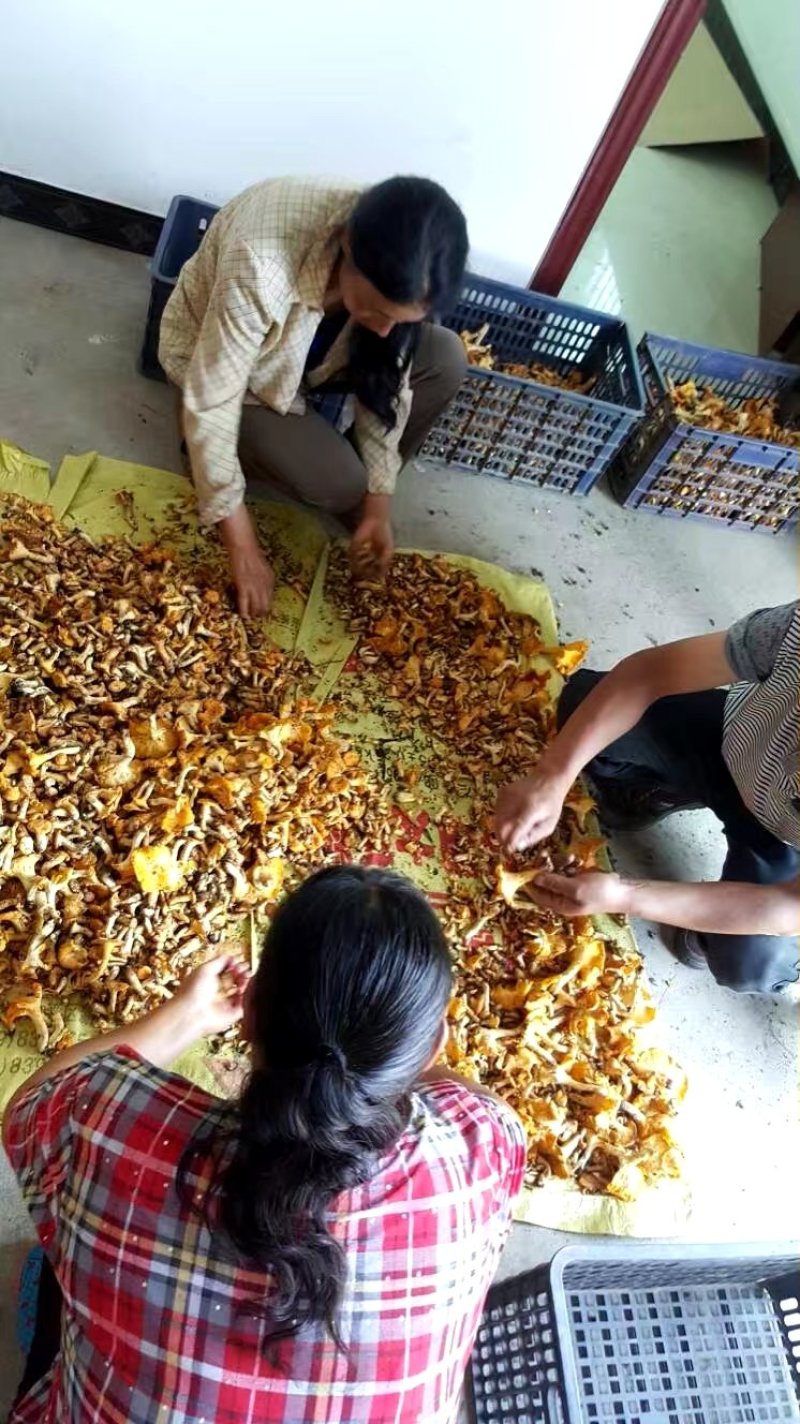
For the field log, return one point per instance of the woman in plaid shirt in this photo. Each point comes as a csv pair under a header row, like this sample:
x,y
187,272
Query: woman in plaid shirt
x,y
301,288
319,1250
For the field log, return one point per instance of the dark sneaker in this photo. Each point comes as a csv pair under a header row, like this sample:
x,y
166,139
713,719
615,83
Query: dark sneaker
x,y
627,806
685,946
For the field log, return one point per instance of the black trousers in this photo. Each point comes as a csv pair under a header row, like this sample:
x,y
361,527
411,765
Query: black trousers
x,y
676,748
46,1341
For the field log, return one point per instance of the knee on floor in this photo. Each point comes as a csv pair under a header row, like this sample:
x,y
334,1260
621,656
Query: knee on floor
x,y
344,493
761,964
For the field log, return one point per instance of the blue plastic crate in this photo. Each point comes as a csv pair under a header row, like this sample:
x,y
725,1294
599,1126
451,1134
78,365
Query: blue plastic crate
x,y
184,227
635,1333
523,430
687,472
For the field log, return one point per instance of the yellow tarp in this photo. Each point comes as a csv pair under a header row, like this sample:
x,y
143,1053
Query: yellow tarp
x,y
21,473
111,497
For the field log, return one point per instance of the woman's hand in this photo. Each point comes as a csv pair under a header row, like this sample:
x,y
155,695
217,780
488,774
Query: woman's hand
x,y
371,548
725,907
592,892
212,996
209,1000
529,810
252,574
253,580
372,544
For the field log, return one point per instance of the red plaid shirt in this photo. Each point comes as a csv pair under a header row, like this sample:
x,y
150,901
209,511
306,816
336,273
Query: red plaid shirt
x,y
153,1331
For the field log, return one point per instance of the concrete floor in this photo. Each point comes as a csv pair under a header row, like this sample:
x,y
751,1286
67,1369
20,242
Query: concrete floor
x,y
71,318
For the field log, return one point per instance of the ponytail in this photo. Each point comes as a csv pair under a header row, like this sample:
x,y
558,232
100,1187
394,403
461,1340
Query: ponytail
x,y
347,1005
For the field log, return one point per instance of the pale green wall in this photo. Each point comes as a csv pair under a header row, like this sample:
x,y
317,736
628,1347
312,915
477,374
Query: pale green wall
x,y
769,33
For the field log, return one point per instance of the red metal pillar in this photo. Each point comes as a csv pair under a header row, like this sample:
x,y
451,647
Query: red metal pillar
x,y
667,41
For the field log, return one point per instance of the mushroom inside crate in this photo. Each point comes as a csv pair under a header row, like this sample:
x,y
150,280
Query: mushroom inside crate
x,y
479,352
161,774
756,417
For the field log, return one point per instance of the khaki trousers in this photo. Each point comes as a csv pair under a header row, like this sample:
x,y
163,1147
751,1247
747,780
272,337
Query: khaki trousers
x,y
307,461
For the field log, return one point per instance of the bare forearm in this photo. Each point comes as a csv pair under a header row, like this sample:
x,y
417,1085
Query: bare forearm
x,y
160,1037
379,506
253,576
611,709
210,1000
237,531
729,907
617,703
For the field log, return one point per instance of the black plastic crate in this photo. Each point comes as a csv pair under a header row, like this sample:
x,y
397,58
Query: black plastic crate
x,y
614,1333
687,472
524,430
184,228
515,1372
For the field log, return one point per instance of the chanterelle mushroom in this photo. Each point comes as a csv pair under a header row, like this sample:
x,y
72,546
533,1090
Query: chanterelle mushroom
x,y
28,1005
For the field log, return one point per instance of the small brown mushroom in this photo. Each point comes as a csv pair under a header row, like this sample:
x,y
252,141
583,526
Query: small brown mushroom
x,y
72,955
17,552
28,1005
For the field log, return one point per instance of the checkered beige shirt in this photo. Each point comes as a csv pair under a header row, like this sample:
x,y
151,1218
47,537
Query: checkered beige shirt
x,y
239,325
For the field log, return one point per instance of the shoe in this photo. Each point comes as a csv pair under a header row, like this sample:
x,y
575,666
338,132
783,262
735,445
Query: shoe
x,y
685,946
626,806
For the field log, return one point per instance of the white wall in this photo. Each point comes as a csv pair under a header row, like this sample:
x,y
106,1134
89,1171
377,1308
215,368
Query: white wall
x,y
501,100
769,33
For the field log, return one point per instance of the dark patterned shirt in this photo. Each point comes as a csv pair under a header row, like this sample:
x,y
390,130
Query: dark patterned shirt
x,y
761,740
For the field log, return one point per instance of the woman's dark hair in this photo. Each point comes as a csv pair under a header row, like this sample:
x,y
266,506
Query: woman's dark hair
x,y
409,239
345,1011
